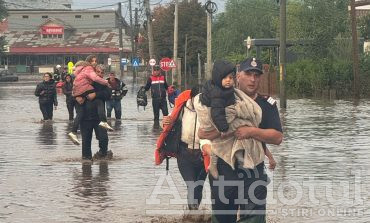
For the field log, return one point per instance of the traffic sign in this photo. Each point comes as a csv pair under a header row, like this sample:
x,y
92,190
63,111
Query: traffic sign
x,y
123,61
166,64
135,62
109,61
152,62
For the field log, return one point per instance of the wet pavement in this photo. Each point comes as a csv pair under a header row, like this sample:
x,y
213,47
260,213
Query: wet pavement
x,y
322,173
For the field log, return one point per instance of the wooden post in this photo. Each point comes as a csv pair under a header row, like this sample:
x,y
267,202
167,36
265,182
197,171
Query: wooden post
x,y
355,59
282,52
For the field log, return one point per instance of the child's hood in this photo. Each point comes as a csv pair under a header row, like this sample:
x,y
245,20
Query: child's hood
x,y
221,69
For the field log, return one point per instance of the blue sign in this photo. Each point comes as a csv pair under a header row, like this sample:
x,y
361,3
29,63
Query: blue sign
x,y
135,62
123,61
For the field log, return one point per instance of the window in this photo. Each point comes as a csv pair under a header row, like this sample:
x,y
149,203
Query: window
x,y
14,60
49,59
22,60
96,16
59,59
52,36
78,16
42,60
3,60
44,16
25,16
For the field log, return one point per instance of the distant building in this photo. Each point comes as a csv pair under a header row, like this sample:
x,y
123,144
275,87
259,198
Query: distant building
x,y
45,33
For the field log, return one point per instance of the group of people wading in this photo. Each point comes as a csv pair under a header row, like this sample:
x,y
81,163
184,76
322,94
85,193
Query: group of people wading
x,y
225,129
87,92
225,126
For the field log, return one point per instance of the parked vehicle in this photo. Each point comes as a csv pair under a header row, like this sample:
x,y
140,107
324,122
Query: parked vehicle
x,y
7,76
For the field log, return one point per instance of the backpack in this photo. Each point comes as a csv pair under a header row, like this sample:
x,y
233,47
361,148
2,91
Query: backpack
x,y
169,139
141,98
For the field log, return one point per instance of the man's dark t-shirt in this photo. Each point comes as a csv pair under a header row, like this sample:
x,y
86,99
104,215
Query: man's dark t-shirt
x,y
270,115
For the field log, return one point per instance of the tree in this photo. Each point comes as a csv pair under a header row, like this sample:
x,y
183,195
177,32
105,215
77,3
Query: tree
x,y
320,22
192,21
364,24
3,15
242,18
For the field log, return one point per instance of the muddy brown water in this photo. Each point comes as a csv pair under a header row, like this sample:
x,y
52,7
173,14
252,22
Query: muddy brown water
x,y
322,173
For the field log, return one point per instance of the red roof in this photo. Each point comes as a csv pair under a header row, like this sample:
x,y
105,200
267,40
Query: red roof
x,y
49,50
99,41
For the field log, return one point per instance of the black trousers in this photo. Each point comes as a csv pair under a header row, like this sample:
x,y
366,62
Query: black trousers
x,y
87,128
231,191
159,103
70,107
80,113
47,110
192,170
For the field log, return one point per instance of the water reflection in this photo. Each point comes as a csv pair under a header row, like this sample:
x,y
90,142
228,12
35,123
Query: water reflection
x,y
47,134
87,185
324,140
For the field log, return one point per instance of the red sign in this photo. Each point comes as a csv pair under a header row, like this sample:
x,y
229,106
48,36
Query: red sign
x,y
52,30
166,64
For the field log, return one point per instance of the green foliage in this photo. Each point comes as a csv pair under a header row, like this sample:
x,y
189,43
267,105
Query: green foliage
x,y
235,57
364,24
192,22
309,76
319,22
242,18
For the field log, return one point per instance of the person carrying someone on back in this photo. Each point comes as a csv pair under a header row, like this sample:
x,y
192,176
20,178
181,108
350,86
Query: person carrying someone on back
x,y
218,94
158,85
82,86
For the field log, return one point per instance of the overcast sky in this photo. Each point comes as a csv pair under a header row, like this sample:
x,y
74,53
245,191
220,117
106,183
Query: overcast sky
x,y
81,4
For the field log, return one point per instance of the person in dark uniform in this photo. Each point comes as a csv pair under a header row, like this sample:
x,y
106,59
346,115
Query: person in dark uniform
x,y
158,85
231,181
118,92
67,91
90,121
46,91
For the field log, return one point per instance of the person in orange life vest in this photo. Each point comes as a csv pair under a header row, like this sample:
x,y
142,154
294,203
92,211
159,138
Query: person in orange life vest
x,y
158,85
189,157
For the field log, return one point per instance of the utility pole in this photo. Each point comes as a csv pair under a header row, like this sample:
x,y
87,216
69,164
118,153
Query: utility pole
x,y
120,26
282,53
132,37
135,44
355,59
185,60
150,29
209,45
175,40
199,71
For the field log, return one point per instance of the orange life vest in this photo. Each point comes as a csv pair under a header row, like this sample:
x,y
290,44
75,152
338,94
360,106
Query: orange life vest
x,y
180,101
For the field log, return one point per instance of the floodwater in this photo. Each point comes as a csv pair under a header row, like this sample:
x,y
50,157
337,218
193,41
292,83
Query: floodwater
x,y
322,173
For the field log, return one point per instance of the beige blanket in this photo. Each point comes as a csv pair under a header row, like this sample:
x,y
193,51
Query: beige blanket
x,y
245,112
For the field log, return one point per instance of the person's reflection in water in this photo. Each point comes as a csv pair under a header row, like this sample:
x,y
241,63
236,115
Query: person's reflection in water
x,y
93,188
47,135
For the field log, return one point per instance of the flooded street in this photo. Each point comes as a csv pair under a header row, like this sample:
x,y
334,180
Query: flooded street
x,y
322,173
